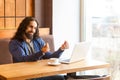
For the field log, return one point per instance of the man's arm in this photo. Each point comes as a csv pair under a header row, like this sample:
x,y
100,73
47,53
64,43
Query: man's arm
x,y
19,53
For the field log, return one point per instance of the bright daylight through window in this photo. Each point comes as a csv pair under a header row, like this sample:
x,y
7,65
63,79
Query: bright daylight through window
x,y
102,22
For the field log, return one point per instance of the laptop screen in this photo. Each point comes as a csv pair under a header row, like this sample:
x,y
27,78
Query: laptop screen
x,y
79,52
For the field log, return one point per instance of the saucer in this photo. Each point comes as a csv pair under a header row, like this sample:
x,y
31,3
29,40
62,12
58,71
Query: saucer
x,y
53,64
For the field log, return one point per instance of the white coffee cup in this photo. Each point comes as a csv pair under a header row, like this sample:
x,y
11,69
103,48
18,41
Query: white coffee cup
x,y
54,60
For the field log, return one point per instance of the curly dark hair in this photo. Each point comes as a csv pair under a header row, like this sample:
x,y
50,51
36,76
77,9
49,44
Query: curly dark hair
x,y
22,28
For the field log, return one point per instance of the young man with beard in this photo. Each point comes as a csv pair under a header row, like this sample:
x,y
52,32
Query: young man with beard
x,y
26,45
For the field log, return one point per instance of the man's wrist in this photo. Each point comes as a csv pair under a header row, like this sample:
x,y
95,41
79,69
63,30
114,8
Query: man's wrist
x,y
43,53
61,48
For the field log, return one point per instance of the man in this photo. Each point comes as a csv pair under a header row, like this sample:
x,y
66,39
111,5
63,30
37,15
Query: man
x,y
26,45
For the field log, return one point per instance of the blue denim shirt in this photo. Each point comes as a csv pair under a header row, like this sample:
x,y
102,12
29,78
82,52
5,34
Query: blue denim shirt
x,y
20,52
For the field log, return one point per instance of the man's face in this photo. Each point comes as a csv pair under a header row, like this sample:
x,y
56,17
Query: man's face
x,y
31,29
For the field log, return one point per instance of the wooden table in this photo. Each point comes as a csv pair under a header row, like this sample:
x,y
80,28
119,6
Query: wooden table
x,y
26,70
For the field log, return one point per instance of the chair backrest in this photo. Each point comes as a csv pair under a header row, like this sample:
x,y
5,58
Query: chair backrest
x,y
49,39
5,56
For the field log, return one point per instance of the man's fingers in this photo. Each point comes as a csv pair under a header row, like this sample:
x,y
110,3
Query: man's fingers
x,y
65,45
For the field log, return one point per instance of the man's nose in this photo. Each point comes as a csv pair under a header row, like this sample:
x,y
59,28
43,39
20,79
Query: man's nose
x,y
32,30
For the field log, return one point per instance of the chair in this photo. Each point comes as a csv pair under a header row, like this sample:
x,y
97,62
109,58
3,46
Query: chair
x,y
50,40
5,56
89,77
106,77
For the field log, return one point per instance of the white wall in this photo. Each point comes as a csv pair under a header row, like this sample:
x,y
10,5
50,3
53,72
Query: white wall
x,y
66,22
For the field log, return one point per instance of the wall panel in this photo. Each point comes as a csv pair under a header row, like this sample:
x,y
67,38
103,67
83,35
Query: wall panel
x,y
13,11
20,7
1,7
9,8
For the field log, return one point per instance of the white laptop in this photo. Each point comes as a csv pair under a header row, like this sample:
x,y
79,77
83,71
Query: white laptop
x,y
79,52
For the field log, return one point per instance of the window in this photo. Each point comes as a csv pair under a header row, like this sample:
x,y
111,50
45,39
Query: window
x,y
102,22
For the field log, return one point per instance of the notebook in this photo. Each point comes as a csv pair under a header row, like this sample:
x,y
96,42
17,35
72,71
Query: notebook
x,y
79,52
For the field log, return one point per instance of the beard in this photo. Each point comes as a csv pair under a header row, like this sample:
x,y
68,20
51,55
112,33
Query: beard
x,y
29,36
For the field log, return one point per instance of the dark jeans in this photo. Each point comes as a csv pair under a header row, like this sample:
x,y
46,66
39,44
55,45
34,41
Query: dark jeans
x,y
56,77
